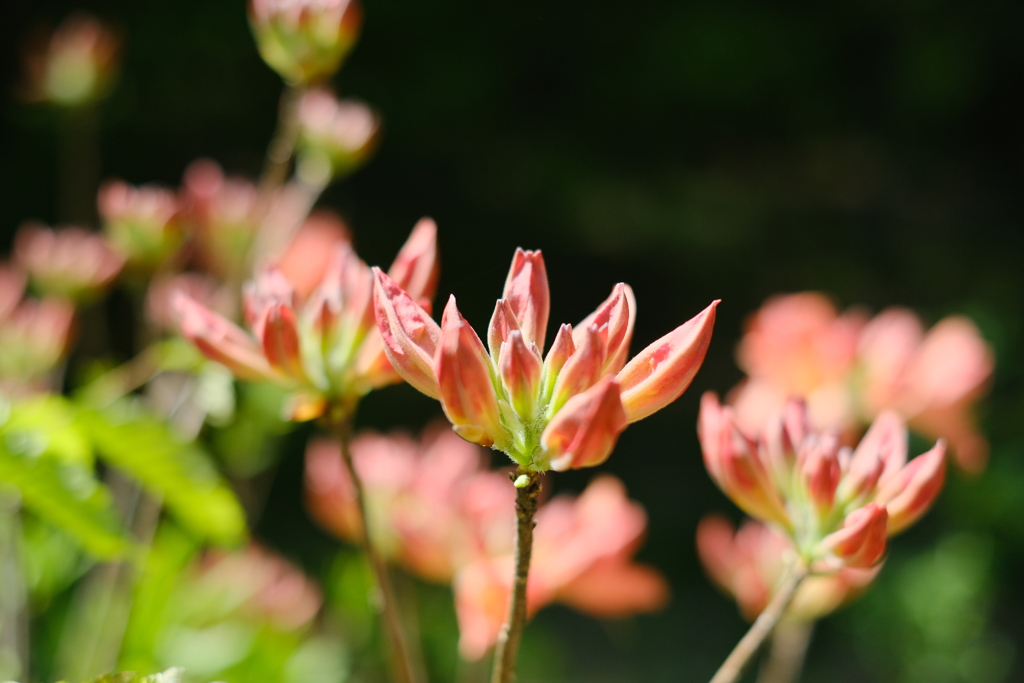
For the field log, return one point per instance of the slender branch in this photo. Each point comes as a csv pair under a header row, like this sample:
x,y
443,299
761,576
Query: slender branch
x,y
401,662
282,145
733,666
788,649
507,647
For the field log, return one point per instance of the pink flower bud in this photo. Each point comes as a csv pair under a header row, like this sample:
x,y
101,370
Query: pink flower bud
x,y
614,321
820,471
503,321
879,456
909,493
519,366
860,543
68,263
410,336
34,338
335,136
561,351
141,222
77,66
464,377
583,433
221,340
304,40
279,337
661,372
581,371
416,267
528,295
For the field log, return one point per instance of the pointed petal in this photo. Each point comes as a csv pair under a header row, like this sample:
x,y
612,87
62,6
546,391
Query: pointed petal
x,y
221,340
581,371
416,267
885,440
503,321
280,339
526,290
410,336
464,376
819,468
661,372
861,541
585,430
910,493
520,368
614,319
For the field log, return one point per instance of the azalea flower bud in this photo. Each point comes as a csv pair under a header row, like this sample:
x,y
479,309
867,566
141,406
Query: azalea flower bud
x,y
34,338
912,490
860,543
140,222
335,136
68,263
487,396
12,286
76,66
820,471
304,40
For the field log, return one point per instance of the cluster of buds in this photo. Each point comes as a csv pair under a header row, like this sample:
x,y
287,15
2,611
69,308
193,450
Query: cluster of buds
x,y
749,564
76,66
436,510
321,348
335,136
837,505
68,263
562,411
141,223
222,215
304,41
851,368
34,334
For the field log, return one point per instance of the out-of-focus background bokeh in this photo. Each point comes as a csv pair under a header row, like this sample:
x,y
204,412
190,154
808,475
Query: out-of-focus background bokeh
x,y
696,150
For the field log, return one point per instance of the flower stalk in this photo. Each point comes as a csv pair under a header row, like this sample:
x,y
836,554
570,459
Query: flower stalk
x,y
282,145
787,652
400,660
507,647
766,622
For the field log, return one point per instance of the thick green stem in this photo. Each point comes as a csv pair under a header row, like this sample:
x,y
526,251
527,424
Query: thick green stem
x,y
401,661
507,647
734,664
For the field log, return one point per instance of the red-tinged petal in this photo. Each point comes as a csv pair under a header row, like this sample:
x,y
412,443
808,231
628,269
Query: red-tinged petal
x,y
715,427
614,588
464,377
886,440
614,320
357,292
12,286
819,467
416,267
581,371
861,541
715,550
520,366
268,288
410,336
746,480
503,321
910,493
661,372
583,433
221,340
526,290
280,339
783,437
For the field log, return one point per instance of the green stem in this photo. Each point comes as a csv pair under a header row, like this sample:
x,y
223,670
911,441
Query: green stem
x,y
734,664
506,648
401,661
282,145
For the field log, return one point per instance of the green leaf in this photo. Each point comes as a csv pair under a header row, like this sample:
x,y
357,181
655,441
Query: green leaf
x,y
179,473
65,495
169,676
46,423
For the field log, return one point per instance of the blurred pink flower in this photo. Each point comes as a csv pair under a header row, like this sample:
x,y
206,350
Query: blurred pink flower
x,y
34,337
165,288
12,288
305,41
436,510
836,504
335,136
76,65
309,253
70,263
563,411
260,584
142,223
323,348
749,565
849,369
223,215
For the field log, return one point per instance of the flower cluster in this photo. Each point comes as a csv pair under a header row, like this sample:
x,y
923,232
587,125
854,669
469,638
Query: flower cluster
x,y
560,411
335,136
141,223
749,564
69,263
850,368
305,41
837,505
77,65
323,347
436,510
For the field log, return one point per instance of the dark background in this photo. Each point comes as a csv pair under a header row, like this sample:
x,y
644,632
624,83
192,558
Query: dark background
x,y
697,150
